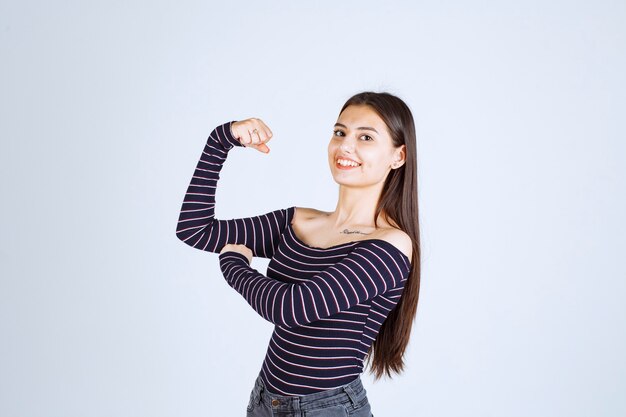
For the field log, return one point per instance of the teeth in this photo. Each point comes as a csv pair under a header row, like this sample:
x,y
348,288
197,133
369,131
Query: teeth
x,y
345,162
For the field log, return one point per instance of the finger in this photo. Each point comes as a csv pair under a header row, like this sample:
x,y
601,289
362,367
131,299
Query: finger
x,y
261,135
263,148
258,126
266,129
268,135
264,135
247,138
256,137
253,137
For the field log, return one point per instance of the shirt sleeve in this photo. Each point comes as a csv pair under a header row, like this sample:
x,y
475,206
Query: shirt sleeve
x,y
372,268
197,225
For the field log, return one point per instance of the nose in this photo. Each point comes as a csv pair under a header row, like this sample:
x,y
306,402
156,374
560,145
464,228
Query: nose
x,y
347,144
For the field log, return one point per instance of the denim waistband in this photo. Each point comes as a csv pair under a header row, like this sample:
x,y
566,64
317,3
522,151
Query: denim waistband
x,y
353,392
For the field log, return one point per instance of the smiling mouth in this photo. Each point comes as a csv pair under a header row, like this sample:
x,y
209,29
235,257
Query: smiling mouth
x,y
346,164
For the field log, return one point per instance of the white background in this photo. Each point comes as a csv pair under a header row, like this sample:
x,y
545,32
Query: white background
x,y
105,108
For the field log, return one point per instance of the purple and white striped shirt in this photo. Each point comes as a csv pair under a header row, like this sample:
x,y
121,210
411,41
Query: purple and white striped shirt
x,y
327,304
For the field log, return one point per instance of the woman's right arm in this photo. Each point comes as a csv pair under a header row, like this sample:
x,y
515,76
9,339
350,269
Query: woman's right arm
x,y
197,225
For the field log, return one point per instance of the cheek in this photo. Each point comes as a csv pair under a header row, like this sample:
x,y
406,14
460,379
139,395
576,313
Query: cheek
x,y
332,150
374,164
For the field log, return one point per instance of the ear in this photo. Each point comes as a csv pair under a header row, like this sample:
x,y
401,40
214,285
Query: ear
x,y
399,156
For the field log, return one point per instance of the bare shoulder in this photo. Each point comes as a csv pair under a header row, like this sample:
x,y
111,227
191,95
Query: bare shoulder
x,y
306,213
400,239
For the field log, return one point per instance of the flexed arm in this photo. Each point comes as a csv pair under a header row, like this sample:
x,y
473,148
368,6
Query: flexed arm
x,y
373,267
197,225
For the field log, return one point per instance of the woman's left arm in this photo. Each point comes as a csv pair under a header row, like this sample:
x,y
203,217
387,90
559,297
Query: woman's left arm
x,y
372,268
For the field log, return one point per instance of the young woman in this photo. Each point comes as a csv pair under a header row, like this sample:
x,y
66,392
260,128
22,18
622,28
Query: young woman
x,y
341,286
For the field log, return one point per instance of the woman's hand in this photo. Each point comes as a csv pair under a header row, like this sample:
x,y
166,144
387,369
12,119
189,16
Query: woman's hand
x,y
243,249
252,133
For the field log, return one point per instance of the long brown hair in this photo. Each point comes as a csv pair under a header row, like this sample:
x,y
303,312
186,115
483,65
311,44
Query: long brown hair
x,y
398,201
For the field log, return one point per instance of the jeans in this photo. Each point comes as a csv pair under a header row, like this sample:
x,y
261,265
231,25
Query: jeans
x,y
346,401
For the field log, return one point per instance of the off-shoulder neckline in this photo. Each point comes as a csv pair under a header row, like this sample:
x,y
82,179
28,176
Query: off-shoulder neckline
x,y
354,242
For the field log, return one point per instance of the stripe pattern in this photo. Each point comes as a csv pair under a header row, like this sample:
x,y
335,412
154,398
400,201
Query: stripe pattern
x,y
197,225
327,304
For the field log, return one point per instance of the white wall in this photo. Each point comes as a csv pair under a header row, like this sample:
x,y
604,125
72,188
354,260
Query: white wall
x,y
105,108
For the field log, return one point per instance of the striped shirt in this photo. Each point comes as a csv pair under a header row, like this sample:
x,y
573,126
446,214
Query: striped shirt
x,y
326,304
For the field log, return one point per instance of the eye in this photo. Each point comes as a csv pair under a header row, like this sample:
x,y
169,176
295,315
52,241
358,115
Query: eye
x,y
369,138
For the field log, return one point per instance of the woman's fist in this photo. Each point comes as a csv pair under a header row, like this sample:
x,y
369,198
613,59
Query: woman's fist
x,y
243,249
252,133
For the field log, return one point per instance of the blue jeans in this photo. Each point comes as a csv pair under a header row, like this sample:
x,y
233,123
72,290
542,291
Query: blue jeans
x,y
346,401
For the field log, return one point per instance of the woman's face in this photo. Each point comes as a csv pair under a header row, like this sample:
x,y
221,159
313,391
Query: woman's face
x,y
361,135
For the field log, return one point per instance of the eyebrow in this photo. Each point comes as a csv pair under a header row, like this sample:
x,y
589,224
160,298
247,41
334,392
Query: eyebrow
x,y
358,128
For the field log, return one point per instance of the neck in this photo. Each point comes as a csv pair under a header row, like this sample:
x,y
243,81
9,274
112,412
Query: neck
x,y
356,207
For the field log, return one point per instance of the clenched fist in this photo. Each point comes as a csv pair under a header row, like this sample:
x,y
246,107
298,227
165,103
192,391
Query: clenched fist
x,y
252,133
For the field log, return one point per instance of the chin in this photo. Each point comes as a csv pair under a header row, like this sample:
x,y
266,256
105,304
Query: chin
x,y
346,181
